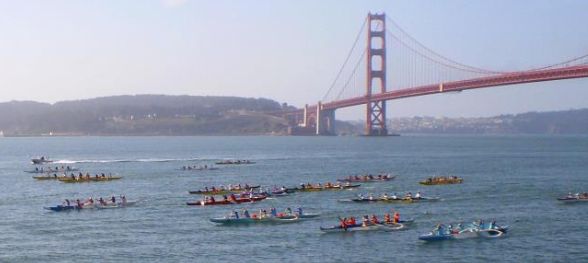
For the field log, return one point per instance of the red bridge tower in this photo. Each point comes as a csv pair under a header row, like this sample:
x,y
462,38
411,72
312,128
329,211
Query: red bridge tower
x,y
376,74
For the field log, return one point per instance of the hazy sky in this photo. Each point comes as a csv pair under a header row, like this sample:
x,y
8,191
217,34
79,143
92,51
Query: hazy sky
x,y
289,51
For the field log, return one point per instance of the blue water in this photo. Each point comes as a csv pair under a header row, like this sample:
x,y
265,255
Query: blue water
x,y
513,179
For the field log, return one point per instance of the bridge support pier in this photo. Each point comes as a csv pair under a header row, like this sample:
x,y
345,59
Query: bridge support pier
x,y
325,121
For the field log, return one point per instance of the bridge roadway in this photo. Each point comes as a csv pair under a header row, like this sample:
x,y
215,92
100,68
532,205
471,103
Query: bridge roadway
x,y
484,82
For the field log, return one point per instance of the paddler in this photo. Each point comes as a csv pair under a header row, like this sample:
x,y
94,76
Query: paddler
x,y
80,205
67,202
375,220
418,195
299,211
236,214
396,217
246,213
365,221
124,199
387,218
289,211
274,212
352,221
113,199
343,223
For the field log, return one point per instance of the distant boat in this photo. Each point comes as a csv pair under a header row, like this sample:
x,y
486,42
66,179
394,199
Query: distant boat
x,y
41,160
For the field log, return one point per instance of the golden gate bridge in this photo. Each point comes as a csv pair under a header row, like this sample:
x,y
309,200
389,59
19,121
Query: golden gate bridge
x,y
415,71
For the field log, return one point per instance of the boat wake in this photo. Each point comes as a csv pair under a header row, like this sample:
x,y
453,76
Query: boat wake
x,y
148,160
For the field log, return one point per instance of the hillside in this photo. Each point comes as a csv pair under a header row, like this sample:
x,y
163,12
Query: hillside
x,y
555,122
143,115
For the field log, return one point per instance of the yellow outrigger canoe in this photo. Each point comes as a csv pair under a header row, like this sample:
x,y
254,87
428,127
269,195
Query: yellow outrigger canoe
x,y
440,181
86,179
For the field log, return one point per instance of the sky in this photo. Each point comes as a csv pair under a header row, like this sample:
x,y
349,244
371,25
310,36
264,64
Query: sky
x,y
288,50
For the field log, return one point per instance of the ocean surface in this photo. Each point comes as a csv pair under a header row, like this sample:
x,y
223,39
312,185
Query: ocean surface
x,y
512,179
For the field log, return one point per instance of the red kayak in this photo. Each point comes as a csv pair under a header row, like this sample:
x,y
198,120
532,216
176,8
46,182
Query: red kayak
x,y
228,201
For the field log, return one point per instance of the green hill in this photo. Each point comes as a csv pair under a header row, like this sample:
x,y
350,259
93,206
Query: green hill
x,y
143,115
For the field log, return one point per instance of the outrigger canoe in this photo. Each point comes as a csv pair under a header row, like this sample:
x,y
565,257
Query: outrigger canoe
x,y
61,208
368,179
360,227
233,162
395,200
495,232
251,220
41,171
322,188
441,181
227,202
225,191
573,199
67,179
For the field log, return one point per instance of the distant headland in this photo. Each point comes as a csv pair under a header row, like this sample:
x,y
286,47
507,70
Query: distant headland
x,y
162,115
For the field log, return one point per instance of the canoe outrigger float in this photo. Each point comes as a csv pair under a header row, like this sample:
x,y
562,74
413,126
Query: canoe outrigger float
x,y
368,178
481,230
48,177
227,202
